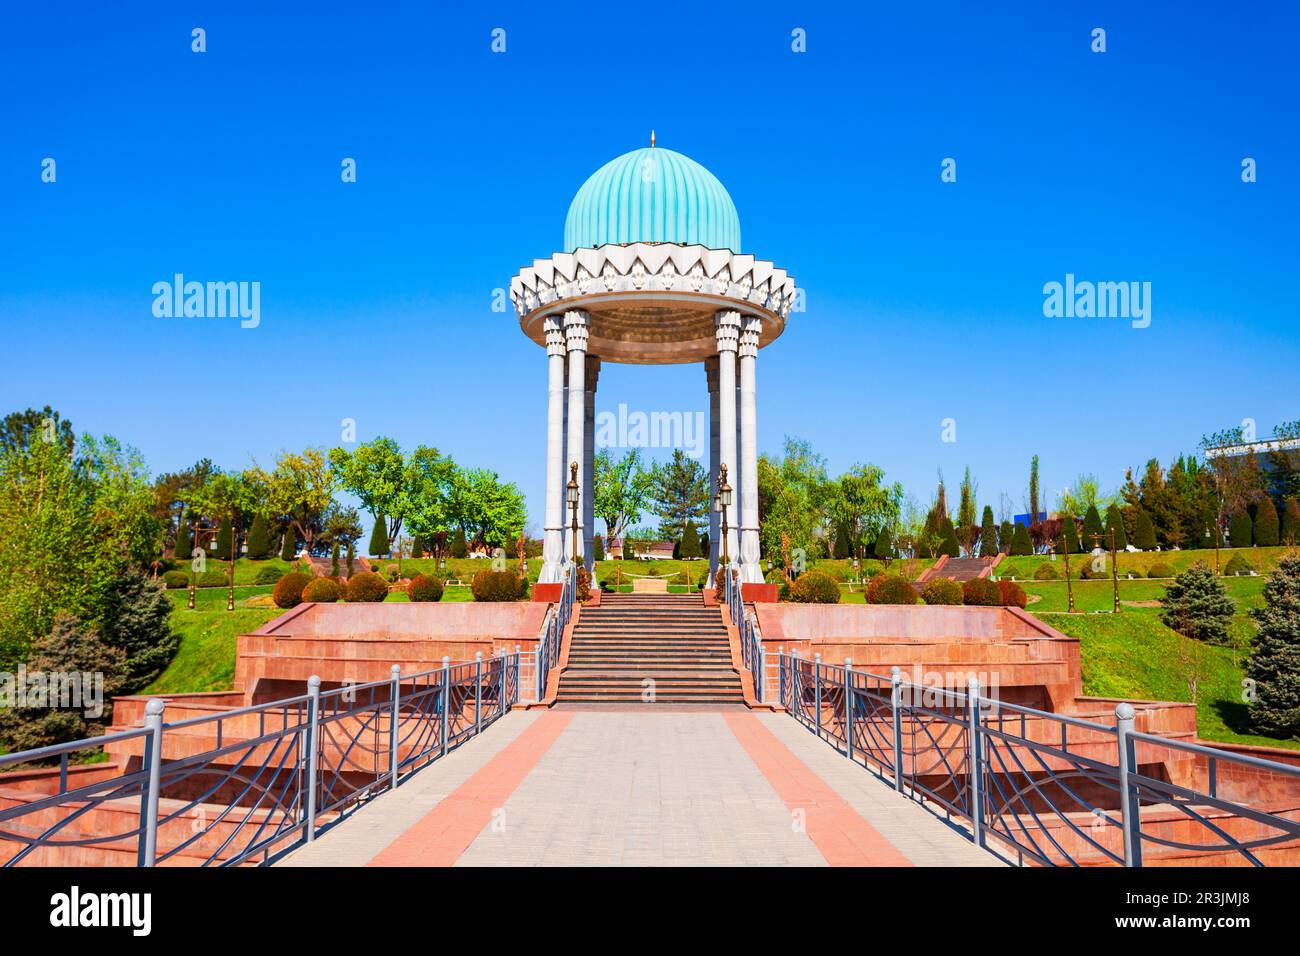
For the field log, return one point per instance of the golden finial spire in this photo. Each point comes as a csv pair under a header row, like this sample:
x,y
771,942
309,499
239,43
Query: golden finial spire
x,y
652,139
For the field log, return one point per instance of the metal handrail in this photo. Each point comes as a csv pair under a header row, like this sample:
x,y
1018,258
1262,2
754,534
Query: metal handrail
x,y
1051,801
298,765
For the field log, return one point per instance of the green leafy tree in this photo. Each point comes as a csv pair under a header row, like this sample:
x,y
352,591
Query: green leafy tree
x,y
680,493
19,429
379,538
988,534
489,511
623,491
1115,523
1267,533
137,620
1274,664
259,538
861,504
795,499
431,477
1240,530
298,491
1196,604
390,484
1144,532
1020,543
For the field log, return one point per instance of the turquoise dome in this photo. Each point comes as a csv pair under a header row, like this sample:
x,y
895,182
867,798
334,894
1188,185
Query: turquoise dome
x,y
652,195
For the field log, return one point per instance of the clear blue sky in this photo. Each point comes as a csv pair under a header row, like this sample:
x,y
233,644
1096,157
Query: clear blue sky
x,y
924,299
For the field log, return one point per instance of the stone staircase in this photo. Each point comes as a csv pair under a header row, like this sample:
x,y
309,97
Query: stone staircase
x,y
960,570
650,649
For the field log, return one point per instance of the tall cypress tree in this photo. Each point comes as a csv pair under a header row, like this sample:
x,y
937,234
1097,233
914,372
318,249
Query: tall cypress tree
x,y
690,541
379,537
1240,532
1020,543
221,549
1092,526
884,546
1274,663
289,547
843,547
459,546
1006,536
1144,532
259,539
988,534
950,545
1069,539
1266,525
184,543
1115,523
1291,522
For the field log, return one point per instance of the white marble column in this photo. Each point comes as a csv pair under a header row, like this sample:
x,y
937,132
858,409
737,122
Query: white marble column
x,y
588,472
751,567
576,325
553,537
715,524
727,326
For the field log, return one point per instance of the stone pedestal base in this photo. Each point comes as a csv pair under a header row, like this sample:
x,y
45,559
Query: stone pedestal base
x,y
548,593
763,593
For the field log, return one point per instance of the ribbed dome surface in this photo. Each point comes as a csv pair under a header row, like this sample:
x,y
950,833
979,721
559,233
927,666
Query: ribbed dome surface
x,y
652,195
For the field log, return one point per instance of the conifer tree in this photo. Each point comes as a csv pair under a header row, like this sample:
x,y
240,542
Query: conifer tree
x,y
1144,532
1240,531
1020,543
259,538
1115,523
1291,522
1006,535
1274,665
1266,525
1092,526
379,538
289,546
988,534
184,543
690,541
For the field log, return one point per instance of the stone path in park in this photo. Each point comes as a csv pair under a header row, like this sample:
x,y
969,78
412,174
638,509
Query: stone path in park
x,y
642,788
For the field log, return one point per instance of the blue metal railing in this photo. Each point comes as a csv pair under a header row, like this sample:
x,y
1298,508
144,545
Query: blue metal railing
x,y
267,777
1046,788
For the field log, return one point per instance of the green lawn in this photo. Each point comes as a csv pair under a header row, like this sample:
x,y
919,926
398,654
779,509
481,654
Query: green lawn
x,y
1263,559
206,658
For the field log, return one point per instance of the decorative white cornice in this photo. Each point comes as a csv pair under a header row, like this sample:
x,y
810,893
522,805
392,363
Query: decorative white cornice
x,y
652,267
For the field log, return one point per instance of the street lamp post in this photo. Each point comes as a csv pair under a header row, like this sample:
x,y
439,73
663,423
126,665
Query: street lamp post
x,y
724,500
194,537
230,593
572,492
1065,548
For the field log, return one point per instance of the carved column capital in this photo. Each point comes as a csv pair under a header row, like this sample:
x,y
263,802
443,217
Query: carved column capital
x,y
577,325
751,329
727,329
554,328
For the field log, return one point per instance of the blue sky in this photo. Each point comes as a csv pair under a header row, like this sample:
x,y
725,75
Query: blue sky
x,y
924,298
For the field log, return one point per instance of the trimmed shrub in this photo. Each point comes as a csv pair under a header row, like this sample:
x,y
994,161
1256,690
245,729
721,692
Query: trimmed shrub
x,y
1237,565
366,588
259,539
1088,573
598,548
524,585
352,553
1092,526
891,589
1010,571
1069,540
941,591
288,590
496,586
418,547
981,592
1196,604
176,579
582,586
1021,545
1160,570
884,546
379,537
224,540
212,579
815,587
690,546
1045,572
1013,595
268,575
289,545
950,545
1240,530
1115,523
459,546
1006,533
1267,532
425,588
988,534
322,591
1291,522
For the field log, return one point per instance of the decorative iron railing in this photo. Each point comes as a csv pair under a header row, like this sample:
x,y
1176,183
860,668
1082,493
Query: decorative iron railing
x,y
1048,789
250,782
751,644
557,619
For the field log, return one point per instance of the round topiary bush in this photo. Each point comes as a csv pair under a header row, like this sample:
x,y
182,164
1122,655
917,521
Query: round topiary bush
x,y
495,586
322,591
1160,570
582,587
941,591
1238,565
176,579
1011,572
366,588
288,590
1045,572
815,587
891,589
981,592
212,579
1013,595
268,575
424,588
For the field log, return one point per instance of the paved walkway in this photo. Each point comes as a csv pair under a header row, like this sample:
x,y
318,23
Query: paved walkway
x,y
642,788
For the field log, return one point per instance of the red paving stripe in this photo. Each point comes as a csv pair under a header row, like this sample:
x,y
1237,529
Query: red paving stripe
x,y
445,832
840,833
